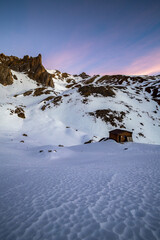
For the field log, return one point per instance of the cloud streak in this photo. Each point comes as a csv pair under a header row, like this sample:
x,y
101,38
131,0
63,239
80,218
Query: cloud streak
x,y
146,65
70,58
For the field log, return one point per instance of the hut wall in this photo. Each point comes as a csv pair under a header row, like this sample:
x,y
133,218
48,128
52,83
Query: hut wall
x,y
114,137
121,137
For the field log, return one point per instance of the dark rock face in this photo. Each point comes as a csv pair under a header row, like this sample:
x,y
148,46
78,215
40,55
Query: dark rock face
x,y
30,65
65,75
90,89
84,75
5,75
20,112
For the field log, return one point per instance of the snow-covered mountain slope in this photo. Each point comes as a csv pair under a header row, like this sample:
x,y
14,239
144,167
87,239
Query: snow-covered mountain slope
x,y
80,108
98,191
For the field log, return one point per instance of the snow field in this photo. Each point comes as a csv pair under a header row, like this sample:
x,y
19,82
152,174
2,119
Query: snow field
x,y
97,191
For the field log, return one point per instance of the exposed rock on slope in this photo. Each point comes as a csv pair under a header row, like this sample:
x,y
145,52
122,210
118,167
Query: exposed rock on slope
x,y
90,89
5,75
110,116
83,75
30,65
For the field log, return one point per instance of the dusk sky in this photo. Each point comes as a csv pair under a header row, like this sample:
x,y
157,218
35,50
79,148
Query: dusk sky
x,y
94,36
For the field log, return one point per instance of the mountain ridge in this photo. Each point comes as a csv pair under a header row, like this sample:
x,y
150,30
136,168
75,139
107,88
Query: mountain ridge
x,y
76,108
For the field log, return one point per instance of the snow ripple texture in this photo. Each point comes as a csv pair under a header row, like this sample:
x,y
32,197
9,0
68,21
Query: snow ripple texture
x,y
94,193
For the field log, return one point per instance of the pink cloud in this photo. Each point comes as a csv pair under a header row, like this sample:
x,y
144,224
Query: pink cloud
x,y
146,65
68,58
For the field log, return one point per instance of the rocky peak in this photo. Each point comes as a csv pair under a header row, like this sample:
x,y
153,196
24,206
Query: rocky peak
x,y
84,75
30,65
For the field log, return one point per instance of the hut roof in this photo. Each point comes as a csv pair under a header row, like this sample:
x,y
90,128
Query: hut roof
x,y
119,131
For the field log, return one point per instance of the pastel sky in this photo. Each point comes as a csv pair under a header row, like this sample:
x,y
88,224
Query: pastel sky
x,y
94,36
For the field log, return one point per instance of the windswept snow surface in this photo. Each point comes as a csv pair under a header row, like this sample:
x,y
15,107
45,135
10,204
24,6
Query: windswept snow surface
x,y
93,192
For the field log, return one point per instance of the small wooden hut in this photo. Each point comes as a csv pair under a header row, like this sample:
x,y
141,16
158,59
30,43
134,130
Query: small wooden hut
x,y
121,136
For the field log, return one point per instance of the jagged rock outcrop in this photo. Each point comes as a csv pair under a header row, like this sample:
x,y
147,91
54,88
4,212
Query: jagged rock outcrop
x,y
5,75
30,65
84,75
90,90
